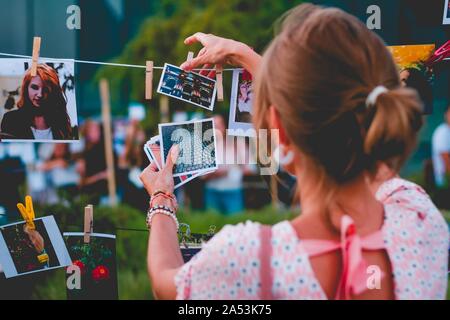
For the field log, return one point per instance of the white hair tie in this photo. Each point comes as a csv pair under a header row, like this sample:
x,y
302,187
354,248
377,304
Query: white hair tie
x,y
373,96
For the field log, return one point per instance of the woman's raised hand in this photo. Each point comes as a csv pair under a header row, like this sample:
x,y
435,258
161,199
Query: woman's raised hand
x,y
221,51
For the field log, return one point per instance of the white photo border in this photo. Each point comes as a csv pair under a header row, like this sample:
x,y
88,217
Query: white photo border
x,y
241,129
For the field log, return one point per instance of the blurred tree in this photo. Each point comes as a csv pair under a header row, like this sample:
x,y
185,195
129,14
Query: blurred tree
x,y
161,39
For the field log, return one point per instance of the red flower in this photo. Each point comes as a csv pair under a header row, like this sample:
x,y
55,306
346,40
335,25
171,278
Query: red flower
x,y
246,76
80,265
100,273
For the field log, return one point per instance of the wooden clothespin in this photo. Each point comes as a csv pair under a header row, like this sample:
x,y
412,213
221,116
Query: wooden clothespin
x,y
35,56
190,56
148,80
27,212
219,82
88,222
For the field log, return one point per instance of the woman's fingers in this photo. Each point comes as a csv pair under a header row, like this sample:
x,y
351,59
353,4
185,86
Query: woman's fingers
x,y
194,63
172,158
204,71
153,167
197,37
211,74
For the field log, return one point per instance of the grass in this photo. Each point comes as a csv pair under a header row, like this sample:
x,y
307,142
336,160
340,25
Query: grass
x,y
131,246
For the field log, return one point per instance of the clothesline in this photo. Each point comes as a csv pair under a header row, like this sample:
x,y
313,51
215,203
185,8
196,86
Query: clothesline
x,y
109,63
101,63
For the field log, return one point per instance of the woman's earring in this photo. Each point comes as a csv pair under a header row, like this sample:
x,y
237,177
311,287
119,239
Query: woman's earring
x,y
281,157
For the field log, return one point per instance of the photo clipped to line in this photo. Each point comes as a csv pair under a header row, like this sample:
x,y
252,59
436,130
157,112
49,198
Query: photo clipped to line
x,y
41,108
240,118
187,86
24,250
96,263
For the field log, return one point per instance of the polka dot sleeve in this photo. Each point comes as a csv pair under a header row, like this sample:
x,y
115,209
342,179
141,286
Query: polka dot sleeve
x,y
227,267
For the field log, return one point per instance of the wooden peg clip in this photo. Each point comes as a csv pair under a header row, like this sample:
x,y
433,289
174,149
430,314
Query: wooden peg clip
x,y
190,56
148,80
35,56
88,222
219,82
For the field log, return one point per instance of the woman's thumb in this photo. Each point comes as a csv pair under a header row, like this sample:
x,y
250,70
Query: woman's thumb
x,y
172,157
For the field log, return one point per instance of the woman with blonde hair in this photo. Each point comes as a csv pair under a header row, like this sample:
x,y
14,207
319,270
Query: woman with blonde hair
x,y
331,89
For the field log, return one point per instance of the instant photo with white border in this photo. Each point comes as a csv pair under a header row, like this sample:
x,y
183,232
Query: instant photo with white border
x,y
213,96
177,124
15,68
446,18
236,128
57,242
178,181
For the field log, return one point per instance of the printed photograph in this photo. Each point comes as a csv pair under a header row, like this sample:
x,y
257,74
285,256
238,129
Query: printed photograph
x,y
40,108
197,145
24,250
153,151
188,86
240,117
97,263
446,12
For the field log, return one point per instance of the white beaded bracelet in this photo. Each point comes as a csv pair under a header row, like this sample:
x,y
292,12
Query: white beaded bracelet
x,y
165,212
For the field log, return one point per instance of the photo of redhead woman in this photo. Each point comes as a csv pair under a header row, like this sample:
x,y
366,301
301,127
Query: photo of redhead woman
x,y
40,108
240,117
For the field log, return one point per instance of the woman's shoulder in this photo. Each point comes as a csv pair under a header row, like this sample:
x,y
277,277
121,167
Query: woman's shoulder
x,y
245,232
13,114
417,239
227,267
231,235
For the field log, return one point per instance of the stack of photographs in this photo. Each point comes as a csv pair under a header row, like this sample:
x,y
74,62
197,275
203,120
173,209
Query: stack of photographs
x,y
197,149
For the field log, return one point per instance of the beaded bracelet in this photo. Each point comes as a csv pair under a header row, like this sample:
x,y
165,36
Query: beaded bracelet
x,y
165,195
160,210
172,201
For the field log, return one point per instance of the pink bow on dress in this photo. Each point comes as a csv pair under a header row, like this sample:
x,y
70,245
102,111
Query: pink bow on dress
x,y
354,272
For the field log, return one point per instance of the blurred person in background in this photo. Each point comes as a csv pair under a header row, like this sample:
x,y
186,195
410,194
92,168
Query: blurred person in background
x,y
91,165
223,187
131,162
441,161
61,171
12,178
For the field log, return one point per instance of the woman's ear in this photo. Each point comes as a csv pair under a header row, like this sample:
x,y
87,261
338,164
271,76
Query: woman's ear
x,y
274,121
